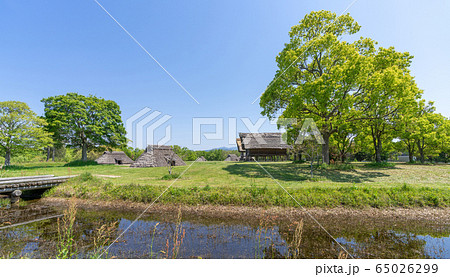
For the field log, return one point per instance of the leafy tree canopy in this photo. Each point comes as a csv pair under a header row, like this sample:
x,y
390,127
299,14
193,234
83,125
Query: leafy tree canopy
x,y
20,130
85,122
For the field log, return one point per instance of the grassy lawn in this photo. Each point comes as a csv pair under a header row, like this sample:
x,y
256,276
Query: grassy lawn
x,y
229,183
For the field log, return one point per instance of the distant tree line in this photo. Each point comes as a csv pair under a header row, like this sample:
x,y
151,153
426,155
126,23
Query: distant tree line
x,y
74,127
211,155
71,122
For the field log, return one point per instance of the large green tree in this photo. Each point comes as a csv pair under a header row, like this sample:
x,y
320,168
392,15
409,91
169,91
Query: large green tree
x,y
388,92
21,130
318,74
429,133
85,122
407,125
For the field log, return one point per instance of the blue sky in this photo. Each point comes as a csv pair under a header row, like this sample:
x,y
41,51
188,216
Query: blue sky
x,y
222,52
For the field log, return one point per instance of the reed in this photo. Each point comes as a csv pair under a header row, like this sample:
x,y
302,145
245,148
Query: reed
x,y
66,246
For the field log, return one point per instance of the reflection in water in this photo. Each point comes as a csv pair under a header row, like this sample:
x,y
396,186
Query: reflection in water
x,y
158,235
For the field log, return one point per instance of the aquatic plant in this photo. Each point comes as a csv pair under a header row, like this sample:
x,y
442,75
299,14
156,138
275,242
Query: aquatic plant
x,y
102,238
264,246
66,247
153,237
177,239
294,245
178,236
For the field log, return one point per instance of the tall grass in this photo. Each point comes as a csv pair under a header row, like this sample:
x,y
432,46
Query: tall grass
x,y
294,245
88,187
177,239
66,246
153,238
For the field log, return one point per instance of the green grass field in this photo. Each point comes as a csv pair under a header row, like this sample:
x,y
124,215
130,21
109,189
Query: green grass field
x,y
229,183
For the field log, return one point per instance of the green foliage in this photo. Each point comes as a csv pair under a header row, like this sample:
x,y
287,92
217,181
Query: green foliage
x,y
66,247
211,155
299,162
21,130
133,153
318,73
170,176
84,122
363,156
349,89
253,195
85,177
80,163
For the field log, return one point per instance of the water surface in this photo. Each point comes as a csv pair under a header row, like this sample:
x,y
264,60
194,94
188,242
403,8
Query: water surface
x,y
165,236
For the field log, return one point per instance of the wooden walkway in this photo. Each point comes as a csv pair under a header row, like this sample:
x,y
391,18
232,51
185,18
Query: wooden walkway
x,y
9,185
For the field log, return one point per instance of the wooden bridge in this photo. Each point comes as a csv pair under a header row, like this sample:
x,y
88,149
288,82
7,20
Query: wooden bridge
x,y
15,185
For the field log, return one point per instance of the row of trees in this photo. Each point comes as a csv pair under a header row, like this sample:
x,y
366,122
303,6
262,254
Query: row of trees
x,y
358,95
73,123
72,120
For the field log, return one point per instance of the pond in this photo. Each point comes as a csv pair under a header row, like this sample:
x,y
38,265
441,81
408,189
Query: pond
x,y
178,235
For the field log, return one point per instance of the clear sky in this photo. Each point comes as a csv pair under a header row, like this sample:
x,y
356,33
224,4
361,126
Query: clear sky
x,y
222,52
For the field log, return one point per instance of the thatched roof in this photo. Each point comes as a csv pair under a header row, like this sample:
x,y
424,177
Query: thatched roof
x,y
262,141
239,145
201,159
157,156
114,157
232,158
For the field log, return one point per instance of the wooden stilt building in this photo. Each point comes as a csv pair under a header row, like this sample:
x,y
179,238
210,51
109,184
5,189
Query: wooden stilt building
x,y
262,146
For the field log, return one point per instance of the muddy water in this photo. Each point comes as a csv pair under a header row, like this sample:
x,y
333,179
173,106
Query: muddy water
x,y
166,235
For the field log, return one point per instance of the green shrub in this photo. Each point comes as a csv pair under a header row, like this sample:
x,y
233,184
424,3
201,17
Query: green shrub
x,y
299,162
87,187
85,177
170,176
363,156
342,166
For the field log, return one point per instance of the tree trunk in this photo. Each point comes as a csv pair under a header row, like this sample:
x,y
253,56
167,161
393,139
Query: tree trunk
x,y
7,157
378,149
53,153
342,156
48,153
326,148
378,153
377,145
421,151
84,153
411,152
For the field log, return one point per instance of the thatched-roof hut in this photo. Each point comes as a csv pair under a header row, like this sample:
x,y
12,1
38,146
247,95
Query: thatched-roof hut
x,y
157,156
232,158
114,157
201,159
261,145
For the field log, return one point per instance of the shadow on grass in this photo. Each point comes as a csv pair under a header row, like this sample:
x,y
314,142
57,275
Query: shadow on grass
x,y
27,167
301,172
